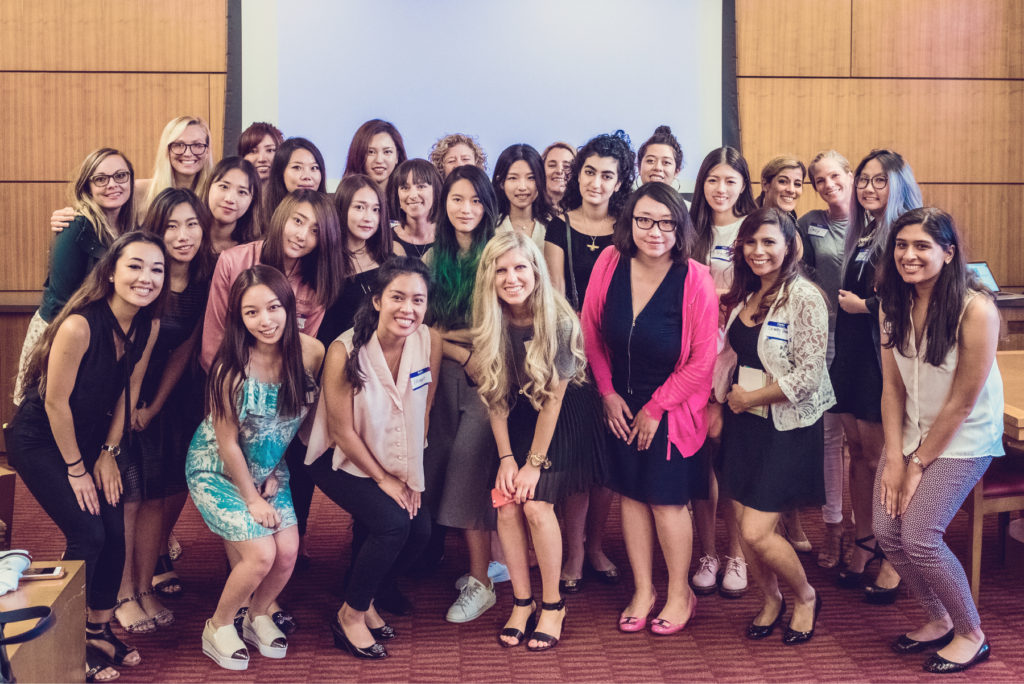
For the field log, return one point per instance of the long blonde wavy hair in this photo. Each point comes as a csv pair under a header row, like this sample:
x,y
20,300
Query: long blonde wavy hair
x,y
492,345
163,174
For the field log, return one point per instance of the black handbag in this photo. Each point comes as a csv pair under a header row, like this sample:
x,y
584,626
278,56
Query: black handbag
x,y
46,621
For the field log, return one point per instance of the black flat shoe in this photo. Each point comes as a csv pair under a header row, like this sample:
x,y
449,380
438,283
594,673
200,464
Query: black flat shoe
x,y
793,637
518,634
765,631
571,586
905,644
848,579
936,664
609,576
383,633
285,622
881,596
341,642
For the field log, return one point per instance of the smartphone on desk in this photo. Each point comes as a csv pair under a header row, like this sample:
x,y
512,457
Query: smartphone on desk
x,y
56,572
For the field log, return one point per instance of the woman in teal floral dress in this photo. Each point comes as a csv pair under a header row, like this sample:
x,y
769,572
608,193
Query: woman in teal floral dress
x,y
260,389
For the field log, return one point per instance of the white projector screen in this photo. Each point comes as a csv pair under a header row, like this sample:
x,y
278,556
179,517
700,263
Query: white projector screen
x,y
533,71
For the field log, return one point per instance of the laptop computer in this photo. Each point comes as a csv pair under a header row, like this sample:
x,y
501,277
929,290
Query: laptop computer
x,y
984,273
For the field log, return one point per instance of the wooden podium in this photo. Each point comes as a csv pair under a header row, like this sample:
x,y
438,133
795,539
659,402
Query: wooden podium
x,y
58,655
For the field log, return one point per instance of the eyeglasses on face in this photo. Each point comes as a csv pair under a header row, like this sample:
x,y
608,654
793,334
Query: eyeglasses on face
x,y
877,182
664,225
197,149
100,180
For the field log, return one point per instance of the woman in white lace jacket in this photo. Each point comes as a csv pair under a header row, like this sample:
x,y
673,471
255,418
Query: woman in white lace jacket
x,y
771,372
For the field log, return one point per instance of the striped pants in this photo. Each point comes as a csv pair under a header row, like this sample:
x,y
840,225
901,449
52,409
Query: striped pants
x,y
914,543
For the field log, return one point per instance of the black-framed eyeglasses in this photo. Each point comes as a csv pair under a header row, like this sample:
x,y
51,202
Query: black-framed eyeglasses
x,y
100,180
664,225
197,149
877,182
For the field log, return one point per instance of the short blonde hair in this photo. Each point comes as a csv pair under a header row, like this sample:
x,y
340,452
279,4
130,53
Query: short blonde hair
x,y
163,175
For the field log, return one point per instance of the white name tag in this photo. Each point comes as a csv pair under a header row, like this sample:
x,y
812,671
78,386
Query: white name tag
x,y
301,320
817,231
722,253
420,378
778,331
862,255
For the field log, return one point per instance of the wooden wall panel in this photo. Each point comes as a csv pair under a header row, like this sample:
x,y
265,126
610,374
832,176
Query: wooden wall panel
x,y
26,209
989,216
12,335
949,131
126,112
140,35
930,39
793,37
217,89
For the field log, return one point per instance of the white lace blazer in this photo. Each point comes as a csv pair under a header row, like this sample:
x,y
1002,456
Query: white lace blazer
x,y
791,346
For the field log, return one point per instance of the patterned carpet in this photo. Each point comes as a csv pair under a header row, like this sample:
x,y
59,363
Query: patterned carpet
x,y
850,644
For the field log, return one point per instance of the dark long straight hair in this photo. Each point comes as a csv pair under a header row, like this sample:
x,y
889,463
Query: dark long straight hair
x,y
228,369
367,317
701,212
745,281
948,296
380,245
275,189
249,225
509,156
155,222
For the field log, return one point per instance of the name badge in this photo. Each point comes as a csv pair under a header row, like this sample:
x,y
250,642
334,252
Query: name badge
x,y
301,320
722,253
862,255
420,378
814,230
778,331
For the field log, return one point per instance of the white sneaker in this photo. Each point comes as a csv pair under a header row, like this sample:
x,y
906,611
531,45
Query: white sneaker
x,y
225,648
705,580
496,572
262,633
734,581
473,601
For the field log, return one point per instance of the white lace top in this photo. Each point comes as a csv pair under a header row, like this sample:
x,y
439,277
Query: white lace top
x,y
791,347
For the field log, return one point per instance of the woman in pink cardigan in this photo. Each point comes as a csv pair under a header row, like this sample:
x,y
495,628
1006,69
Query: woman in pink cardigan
x,y
649,324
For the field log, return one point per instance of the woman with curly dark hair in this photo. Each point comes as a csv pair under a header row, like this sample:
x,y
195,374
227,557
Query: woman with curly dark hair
x,y
599,184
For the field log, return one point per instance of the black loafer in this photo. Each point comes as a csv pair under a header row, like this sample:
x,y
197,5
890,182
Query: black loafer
x,y
571,586
881,596
905,644
936,664
764,631
793,637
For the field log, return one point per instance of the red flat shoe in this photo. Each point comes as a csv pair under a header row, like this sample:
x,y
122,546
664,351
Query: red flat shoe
x,y
663,627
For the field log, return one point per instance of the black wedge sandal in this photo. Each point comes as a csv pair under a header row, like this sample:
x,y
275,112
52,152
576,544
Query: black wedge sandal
x,y
548,642
512,632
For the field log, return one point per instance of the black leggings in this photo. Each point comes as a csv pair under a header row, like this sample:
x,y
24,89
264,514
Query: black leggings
x,y
301,482
96,539
393,540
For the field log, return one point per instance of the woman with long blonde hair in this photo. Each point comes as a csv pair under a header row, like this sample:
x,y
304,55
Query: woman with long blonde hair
x,y
531,370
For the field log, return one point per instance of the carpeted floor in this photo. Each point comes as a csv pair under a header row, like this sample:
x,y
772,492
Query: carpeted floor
x,y
851,643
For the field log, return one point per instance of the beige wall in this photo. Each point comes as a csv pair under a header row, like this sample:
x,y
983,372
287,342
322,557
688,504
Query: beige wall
x,y
940,81
79,75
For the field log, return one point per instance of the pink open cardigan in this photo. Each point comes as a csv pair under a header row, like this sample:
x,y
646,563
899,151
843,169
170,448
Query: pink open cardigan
x,y
684,394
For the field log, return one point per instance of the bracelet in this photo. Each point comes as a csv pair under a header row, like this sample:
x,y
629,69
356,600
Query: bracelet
x,y
502,458
464,363
72,465
538,460
916,460
82,474
113,449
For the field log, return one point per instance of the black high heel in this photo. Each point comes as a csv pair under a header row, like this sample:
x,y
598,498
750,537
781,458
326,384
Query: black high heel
x,y
342,642
383,633
848,579
548,642
765,631
512,632
793,637
881,596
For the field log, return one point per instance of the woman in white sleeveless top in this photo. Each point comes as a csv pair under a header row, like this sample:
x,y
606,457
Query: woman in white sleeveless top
x,y
942,406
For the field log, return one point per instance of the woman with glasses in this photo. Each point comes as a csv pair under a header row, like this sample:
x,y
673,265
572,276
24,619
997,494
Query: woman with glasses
x,y
104,208
649,323
885,189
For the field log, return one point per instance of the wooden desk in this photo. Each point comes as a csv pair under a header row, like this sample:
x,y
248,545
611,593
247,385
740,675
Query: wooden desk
x,y
58,655
1011,366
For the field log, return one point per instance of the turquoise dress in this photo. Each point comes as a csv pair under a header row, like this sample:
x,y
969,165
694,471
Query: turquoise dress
x,y
263,436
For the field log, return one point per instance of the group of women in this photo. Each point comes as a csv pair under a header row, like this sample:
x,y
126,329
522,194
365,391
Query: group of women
x,y
436,349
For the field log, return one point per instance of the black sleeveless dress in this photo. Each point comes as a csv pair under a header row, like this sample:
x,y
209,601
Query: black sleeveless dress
x,y
339,317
